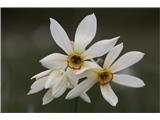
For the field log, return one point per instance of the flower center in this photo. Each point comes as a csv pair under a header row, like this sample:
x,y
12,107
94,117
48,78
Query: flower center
x,y
75,60
105,76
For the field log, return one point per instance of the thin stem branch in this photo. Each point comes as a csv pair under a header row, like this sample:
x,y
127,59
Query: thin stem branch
x,y
76,106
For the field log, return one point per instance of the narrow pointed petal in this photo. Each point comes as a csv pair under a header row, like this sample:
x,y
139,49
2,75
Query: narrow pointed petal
x,y
88,65
48,97
60,36
128,80
81,88
39,83
54,61
59,89
42,74
69,86
100,48
126,61
85,97
73,79
33,91
56,85
37,86
112,55
53,78
90,74
109,94
85,32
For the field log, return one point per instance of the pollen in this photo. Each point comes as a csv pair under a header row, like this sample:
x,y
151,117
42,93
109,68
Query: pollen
x,y
75,60
105,76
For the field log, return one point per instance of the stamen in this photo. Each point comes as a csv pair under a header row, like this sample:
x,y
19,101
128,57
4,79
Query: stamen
x,y
105,76
75,61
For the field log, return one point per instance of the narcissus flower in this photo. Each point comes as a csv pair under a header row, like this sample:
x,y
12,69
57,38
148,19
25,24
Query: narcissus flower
x,y
77,55
60,75
56,81
108,73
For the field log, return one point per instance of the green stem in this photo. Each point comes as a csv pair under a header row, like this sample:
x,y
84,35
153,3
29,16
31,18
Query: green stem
x,y
76,106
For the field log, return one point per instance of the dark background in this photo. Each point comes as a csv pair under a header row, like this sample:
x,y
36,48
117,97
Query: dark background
x,y
26,39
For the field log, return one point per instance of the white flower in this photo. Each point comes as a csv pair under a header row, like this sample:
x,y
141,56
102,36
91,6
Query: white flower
x,y
77,56
56,81
109,73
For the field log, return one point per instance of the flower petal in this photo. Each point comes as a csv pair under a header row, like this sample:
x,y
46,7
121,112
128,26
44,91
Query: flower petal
x,y
112,55
126,60
53,78
86,66
81,88
85,32
55,60
60,36
73,79
85,97
70,86
128,80
60,88
42,74
37,86
100,48
61,91
109,94
48,97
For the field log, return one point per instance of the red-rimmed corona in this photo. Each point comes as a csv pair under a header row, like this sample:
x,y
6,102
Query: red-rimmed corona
x,y
75,60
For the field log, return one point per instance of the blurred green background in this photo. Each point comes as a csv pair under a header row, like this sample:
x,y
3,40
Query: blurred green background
x,y
26,39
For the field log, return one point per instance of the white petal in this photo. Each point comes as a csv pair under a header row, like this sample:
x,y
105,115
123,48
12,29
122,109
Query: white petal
x,y
85,32
60,36
73,79
85,97
59,89
109,94
126,60
53,78
48,97
112,55
88,65
100,48
42,74
90,73
55,60
81,88
128,80
37,86
70,75
70,86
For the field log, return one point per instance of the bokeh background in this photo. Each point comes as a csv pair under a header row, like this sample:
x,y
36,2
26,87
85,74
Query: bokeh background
x,y
26,39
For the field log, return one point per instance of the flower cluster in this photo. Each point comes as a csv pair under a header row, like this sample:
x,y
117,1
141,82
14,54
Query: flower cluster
x,y
65,70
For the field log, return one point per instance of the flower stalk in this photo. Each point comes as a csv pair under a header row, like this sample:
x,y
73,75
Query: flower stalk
x,y
76,105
